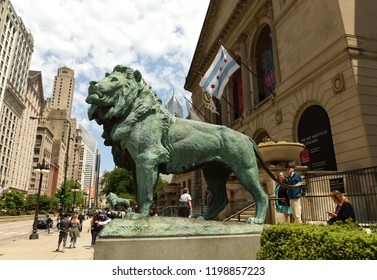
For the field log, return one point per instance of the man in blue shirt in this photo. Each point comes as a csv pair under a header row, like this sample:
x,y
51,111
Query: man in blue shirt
x,y
294,195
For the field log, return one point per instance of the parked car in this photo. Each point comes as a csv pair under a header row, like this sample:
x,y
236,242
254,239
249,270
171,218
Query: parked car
x,y
42,223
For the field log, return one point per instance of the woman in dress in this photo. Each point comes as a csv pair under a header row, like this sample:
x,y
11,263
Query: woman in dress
x,y
74,231
282,200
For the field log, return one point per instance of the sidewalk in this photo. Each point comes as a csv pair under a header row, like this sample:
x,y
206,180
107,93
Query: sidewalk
x,y
44,247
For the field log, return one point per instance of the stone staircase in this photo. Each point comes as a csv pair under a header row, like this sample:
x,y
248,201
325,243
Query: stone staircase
x,y
243,215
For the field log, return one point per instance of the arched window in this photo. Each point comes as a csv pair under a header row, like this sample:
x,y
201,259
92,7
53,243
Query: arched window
x,y
265,64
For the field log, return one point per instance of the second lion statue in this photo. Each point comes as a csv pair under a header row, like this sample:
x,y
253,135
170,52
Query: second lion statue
x,y
147,140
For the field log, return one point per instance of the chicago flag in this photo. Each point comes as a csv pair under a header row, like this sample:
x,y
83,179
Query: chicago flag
x,y
218,74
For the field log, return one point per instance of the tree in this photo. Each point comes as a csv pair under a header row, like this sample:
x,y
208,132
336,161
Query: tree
x,y
119,181
46,204
69,195
12,201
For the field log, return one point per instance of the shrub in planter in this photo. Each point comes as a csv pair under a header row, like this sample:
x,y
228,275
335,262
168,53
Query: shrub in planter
x,y
317,242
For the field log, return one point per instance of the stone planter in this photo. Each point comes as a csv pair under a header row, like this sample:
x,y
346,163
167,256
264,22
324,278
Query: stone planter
x,y
280,152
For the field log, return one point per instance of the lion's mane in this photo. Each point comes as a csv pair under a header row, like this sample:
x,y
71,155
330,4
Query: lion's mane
x,y
119,109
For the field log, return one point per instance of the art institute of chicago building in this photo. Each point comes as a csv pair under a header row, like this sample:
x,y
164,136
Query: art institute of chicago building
x,y
308,73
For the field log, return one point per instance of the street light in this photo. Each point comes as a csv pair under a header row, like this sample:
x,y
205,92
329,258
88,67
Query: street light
x,y
43,170
62,196
75,189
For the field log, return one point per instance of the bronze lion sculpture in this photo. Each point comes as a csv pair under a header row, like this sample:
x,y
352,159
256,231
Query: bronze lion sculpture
x,y
147,140
115,201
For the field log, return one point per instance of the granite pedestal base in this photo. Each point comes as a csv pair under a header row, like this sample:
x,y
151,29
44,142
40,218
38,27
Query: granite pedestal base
x,y
169,238
224,247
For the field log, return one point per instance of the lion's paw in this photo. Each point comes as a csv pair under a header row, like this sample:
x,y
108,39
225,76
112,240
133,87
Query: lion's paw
x,y
254,220
135,216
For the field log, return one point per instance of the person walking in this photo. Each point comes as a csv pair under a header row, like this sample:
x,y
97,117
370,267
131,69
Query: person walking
x,y
282,200
63,232
294,195
74,231
185,204
48,223
81,218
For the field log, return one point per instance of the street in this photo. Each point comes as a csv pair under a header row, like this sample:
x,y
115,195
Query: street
x,y
11,231
16,245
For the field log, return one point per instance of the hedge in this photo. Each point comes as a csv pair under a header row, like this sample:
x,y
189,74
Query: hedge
x,y
317,242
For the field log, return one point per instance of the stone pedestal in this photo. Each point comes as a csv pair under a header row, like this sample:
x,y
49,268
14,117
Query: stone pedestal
x,y
166,238
227,247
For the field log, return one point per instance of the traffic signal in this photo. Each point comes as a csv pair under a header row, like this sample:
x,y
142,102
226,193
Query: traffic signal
x,y
62,196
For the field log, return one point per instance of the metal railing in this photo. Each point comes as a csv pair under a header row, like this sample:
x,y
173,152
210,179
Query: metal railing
x,y
359,186
238,213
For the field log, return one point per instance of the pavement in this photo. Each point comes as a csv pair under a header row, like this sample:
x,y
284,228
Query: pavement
x,y
44,247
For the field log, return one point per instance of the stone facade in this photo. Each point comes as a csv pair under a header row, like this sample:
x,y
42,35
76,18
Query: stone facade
x,y
308,73
318,59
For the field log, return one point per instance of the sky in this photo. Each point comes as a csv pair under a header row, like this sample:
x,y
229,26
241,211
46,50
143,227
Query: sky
x,y
157,37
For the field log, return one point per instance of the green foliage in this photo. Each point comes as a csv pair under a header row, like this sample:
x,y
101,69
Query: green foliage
x,y
46,203
161,184
317,242
119,181
12,200
15,203
70,196
373,228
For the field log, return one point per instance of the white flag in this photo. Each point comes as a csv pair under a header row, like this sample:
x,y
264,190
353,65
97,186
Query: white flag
x,y
218,74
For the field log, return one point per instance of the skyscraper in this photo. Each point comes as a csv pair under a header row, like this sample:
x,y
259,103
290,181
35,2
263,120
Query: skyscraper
x,y
62,93
174,106
16,48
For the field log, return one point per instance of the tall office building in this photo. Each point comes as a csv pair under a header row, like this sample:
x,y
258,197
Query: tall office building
x,y
88,161
174,106
16,48
64,86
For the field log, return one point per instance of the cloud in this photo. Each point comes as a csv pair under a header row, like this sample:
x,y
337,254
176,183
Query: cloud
x,y
157,37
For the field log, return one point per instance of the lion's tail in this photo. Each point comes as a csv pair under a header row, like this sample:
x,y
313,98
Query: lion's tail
x,y
268,171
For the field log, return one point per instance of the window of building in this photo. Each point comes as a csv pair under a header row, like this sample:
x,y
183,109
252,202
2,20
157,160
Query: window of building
x,y
265,64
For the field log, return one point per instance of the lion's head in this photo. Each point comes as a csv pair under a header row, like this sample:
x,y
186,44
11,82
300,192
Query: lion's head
x,y
108,97
122,99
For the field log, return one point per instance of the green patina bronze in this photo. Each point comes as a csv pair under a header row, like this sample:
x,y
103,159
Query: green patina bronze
x,y
115,201
174,227
147,140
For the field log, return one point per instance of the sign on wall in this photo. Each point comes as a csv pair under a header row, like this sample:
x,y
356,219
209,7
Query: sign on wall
x,y
314,131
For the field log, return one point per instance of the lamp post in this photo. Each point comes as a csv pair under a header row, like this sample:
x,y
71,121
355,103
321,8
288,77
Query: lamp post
x,y
41,169
74,190
63,192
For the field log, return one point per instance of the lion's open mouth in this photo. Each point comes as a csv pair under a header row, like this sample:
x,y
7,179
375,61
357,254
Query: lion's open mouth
x,y
100,104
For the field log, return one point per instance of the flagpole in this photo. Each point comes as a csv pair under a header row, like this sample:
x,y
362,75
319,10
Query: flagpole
x,y
222,96
231,105
239,59
196,110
